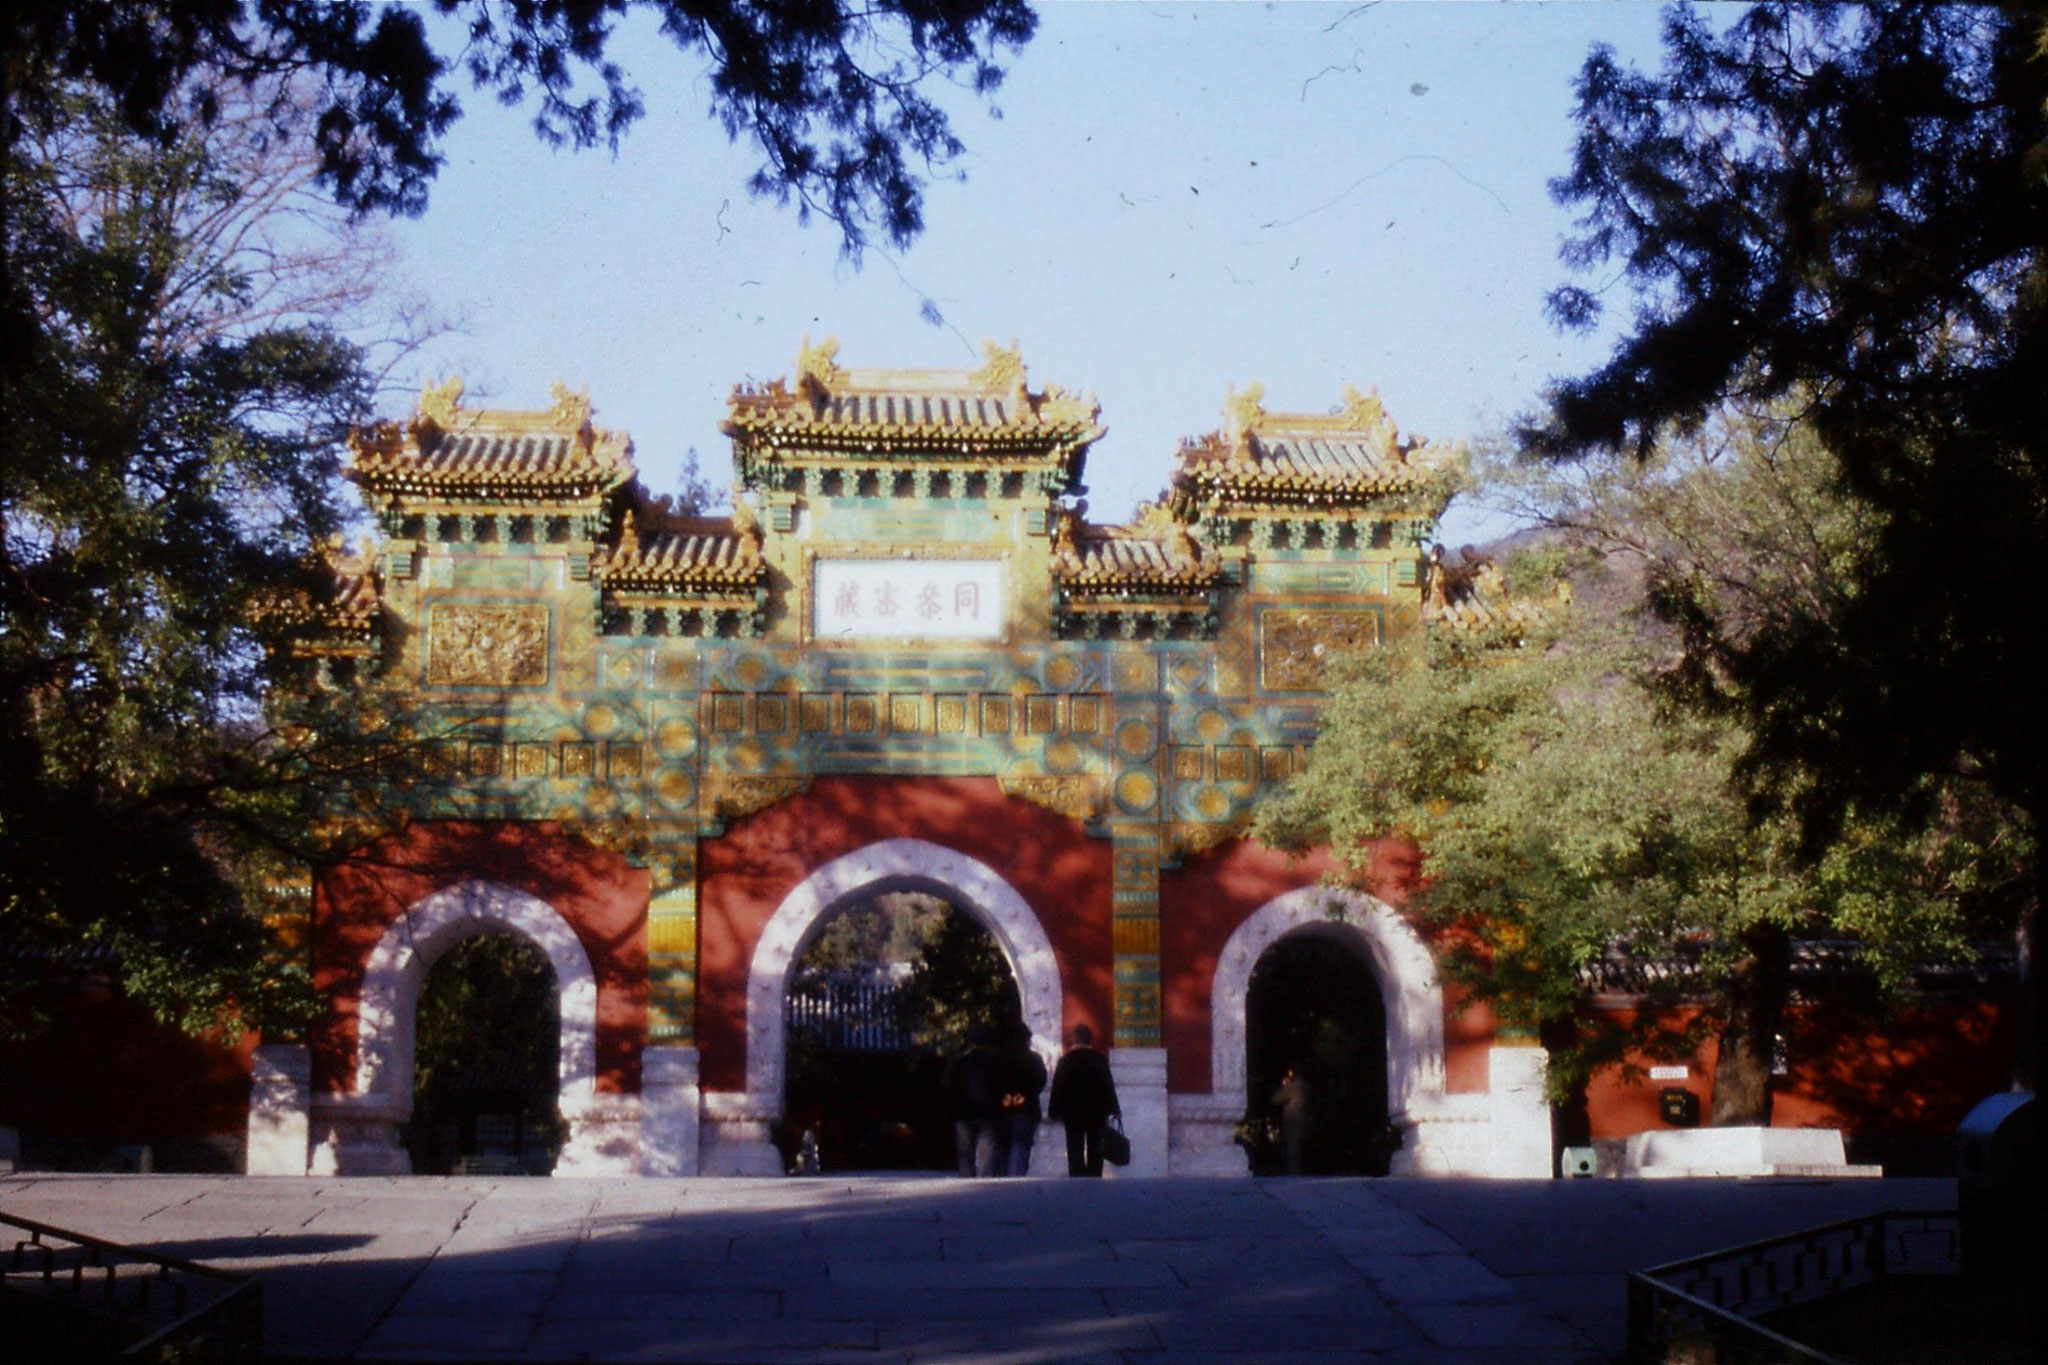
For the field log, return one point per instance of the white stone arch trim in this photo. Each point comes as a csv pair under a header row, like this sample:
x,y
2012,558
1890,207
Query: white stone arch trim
x,y
1400,961
388,1008
892,865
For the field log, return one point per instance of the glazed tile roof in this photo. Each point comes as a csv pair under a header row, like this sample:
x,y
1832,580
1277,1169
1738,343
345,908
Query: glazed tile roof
x,y
348,610
1351,454
992,403
685,552
449,449
1128,557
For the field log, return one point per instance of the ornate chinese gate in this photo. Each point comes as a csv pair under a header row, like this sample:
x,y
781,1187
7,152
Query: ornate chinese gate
x,y
905,659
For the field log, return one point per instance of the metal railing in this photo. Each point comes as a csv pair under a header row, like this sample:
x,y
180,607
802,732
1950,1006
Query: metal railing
x,y
136,1304
1706,1308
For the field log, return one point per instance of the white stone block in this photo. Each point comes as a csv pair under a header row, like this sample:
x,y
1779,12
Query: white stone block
x,y
670,1107
1739,1151
603,1138
1518,1147
280,1110
1140,1074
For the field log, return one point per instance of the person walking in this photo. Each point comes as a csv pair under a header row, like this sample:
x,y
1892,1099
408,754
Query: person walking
x,y
1295,1102
1083,1100
1022,1074
970,1086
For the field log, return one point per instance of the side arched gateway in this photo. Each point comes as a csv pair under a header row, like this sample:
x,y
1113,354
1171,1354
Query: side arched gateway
x,y
360,1129
737,1140
1409,989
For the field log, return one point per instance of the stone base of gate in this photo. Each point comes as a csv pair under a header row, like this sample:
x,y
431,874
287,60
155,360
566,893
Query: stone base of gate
x,y
603,1136
358,1135
280,1104
1140,1074
736,1138
1203,1140
670,1104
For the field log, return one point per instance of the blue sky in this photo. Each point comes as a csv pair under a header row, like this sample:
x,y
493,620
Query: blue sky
x,y
1176,199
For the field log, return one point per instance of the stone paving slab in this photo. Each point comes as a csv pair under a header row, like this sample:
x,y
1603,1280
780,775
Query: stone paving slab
x,y
908,1271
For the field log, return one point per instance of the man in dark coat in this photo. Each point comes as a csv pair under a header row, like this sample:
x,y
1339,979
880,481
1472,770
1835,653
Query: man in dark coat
x,y
970,1085
1083,1099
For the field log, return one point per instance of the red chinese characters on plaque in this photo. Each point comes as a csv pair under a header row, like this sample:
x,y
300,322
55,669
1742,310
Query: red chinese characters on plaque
x,y
907,599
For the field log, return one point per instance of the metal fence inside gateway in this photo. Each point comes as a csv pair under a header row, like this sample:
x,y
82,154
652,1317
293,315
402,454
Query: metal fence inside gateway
x,y
851,1011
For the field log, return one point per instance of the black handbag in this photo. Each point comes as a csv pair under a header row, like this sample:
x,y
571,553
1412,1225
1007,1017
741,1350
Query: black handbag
x,y
1116,1148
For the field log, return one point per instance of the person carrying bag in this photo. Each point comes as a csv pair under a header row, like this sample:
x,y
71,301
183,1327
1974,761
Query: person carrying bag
x,y
1083,1101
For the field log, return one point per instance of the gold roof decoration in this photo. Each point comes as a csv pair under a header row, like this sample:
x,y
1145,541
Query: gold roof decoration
x,y
441,401
449,451
1001,371
816,366
662,550
911,409
1350,456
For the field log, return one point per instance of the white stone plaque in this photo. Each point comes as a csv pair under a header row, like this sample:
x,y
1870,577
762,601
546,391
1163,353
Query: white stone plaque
x,y
907,599
1668,1073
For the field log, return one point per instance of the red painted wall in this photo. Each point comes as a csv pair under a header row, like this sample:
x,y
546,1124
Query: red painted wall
x,y
744,875
603,898
1917,1070
108,1069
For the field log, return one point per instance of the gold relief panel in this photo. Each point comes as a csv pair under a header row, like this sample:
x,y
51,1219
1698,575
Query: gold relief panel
x,y
1084,715
1275,764
1294,646
1136,737
470,645
1135,867
674,671
995,715
1233,763
1135,935
671,934
1137,791
1041,715
578,760
625,760
486,760
815,712
533,760
1187,762
906,715
950,715
771,714
739,795
1191,841
863,713
728,712
675,736
1077,798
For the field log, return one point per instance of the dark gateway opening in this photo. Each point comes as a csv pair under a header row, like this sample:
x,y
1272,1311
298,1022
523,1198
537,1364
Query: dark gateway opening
x,y
878,1003
486,1076
1314,1006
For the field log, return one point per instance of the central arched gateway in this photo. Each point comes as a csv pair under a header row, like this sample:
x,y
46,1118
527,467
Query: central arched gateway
x,y
736,1138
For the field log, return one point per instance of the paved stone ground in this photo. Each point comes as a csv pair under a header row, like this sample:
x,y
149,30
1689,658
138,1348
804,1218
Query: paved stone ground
x,y
1407,1272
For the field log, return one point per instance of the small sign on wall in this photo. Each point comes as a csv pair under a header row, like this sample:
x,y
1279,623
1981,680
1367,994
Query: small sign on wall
x,y
1669,1073
907,599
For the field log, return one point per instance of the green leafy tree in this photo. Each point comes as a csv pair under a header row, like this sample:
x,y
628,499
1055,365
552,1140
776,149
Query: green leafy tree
x,y
1845,208
833,94
1577,795
171,442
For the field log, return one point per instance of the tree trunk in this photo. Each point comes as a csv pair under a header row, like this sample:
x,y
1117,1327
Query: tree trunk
x,y
1756,1005
1571,1119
